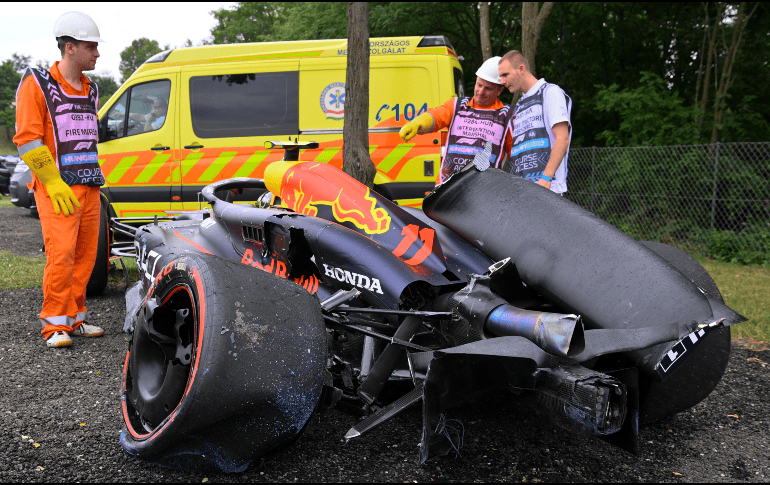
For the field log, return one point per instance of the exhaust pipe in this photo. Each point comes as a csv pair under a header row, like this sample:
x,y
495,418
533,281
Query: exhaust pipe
x,y
556,333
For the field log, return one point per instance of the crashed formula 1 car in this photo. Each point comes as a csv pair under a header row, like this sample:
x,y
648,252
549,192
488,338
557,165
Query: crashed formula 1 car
x,y
250,318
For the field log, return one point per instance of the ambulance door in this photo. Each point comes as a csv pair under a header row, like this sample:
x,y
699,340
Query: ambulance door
x,y
140,151
403,88
228,114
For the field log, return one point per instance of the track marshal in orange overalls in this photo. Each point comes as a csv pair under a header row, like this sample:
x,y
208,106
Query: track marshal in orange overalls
x,y
471,122
56,134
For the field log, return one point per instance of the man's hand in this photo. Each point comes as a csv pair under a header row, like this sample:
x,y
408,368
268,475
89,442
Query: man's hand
x,y
62,197
544,183
423,124
41,162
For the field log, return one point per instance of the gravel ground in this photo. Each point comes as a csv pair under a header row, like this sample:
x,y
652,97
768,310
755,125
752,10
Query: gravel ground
x,y
60,420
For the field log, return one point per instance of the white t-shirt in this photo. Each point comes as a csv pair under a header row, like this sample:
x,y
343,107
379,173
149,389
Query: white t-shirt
x,y
157,124
555,110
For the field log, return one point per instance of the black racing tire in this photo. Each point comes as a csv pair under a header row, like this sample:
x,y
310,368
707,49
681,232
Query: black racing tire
x,y
702,371
99,275
240,376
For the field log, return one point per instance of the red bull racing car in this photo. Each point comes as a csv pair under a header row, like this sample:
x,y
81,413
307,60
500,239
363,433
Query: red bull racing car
x,y
250,318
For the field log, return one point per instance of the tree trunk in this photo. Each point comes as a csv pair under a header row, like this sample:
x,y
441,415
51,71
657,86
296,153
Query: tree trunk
x,y
726,79
710,59
701,53
355,134
486,44
531,24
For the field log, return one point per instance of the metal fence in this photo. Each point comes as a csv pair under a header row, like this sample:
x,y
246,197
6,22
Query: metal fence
x,y
712,198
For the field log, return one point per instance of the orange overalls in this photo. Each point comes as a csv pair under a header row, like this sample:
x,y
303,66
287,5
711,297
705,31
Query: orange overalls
x,y
70,241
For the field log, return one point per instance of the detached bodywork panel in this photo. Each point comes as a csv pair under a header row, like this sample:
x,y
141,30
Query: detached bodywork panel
x,y
347,293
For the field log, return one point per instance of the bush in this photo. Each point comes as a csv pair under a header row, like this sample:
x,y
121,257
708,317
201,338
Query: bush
x,y
748,247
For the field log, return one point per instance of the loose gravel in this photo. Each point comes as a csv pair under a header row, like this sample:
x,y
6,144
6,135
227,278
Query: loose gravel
x,y
60,420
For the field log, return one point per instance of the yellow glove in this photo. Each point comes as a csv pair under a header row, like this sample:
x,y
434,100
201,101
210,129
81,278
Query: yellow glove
x,y
421,125
41,162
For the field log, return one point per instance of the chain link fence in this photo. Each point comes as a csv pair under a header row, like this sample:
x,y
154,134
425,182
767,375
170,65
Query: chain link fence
x,y
713,199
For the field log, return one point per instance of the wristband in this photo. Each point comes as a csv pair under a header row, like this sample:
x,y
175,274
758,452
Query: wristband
x,y
546,178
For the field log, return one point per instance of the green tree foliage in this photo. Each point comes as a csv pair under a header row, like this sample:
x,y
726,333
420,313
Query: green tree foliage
x,y
9,81
134,55
20,61
458,21
246,22
581,46
107,86
588,44
648,115
311,20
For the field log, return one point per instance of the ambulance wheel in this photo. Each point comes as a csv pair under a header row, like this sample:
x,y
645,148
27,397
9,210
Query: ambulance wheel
x,y
98,280
702,371
226,363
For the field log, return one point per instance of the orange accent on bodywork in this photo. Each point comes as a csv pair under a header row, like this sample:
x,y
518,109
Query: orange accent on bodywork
x,y
197,246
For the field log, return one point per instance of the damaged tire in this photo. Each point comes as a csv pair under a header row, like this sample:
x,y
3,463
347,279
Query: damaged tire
x,y
226,363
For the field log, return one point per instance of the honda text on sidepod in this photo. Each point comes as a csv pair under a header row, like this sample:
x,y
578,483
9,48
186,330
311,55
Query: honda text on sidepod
x,y
248,320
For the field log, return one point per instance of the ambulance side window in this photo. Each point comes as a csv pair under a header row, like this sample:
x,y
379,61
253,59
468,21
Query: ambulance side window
x,y
147,107
237,105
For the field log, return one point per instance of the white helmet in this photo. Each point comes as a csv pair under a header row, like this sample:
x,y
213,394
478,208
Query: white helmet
x,y
77,25
488,70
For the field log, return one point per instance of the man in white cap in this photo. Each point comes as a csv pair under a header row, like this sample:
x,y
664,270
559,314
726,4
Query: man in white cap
x,y
56,134
541,125
471,123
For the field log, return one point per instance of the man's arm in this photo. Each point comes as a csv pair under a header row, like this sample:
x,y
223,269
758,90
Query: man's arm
x,y
434,120
560,146
31,114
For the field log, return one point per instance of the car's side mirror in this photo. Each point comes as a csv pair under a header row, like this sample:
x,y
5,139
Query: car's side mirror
x,y
106,133
103,130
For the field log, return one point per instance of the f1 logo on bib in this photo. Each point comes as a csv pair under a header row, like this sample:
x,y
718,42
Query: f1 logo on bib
x,y
83,145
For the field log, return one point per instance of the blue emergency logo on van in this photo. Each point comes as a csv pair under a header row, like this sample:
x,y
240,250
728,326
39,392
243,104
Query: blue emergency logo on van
x,y
333,101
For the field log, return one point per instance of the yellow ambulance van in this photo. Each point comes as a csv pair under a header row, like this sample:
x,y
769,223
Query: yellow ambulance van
x,y
189,117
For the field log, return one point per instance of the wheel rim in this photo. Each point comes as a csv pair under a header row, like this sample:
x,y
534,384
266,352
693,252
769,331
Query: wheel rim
x,y
160,360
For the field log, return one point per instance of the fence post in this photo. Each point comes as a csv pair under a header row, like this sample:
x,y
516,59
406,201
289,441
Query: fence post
x,y
593,171
714,192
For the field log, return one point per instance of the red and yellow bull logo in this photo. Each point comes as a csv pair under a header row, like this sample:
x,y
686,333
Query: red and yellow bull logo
x,y
305,186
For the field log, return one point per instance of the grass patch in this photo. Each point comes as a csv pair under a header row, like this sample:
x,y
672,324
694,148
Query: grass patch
x,y
6,145
5,201
117,277
745,289
21,272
